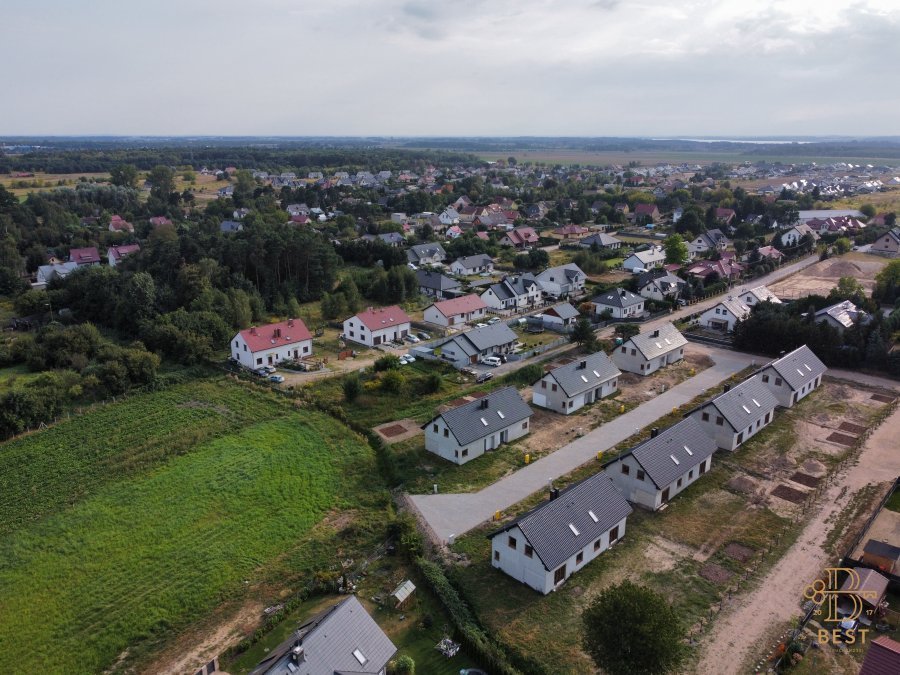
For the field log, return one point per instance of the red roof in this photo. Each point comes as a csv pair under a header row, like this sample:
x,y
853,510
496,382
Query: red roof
x,y
84,256
119,252
882,658
160,220
483,235
570,229
380,317
301,219
275,335
117,223
460,305
645,209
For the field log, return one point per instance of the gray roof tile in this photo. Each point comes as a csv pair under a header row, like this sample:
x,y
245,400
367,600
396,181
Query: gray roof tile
x,y
618,297
547,526
799,367
659,341
486,415
745,403
575,378
655,454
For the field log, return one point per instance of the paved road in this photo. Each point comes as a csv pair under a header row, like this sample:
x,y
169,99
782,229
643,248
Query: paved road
x,y
454,514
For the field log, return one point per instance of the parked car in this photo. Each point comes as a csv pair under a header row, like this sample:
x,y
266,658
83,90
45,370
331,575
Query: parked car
x,y
423,335
412,339
411,266
480,325
410,358
484,377
469,372
269,369
277,379
261,372
492,361
682,302
493,320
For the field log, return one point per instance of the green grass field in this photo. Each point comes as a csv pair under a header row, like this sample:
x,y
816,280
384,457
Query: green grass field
x,y
116,539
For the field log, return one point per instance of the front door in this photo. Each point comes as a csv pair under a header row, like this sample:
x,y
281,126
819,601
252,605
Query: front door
x,y
504,436
270,359
665,495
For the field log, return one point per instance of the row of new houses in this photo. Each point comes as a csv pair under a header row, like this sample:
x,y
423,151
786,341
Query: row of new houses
x,y
545,546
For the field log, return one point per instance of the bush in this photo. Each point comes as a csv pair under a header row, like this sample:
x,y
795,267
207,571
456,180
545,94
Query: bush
x,y
387,362
351,387
433,383
525,376
393,382
404,665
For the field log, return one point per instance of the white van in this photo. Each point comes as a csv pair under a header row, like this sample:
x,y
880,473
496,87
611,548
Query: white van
x,y
492,361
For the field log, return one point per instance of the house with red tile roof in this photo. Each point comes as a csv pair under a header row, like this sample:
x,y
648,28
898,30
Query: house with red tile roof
x,y
456,311
119,224
267,345
377,325
882,658
571,232
84,256
115,253
156,221
725,216
646,211
520,237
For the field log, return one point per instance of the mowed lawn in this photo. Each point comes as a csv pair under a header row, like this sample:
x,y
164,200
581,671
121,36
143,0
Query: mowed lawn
x,y
145,555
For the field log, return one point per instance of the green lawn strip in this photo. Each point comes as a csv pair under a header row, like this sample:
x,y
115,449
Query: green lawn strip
x,y
49,470
145,556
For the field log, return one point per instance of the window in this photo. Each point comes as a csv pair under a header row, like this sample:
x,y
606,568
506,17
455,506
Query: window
x,y
633,352
352,334
434,428
465,452
640,474
703,468
529,552
496,555
579,558
543,384
626,469
525,424
259,361
511,542
765,378
553,387
768,415
305,350
456,453
446,433
358,655
720,421
559,575
679,482
624,350
597,545
571,403
705,417
690,474
777,381
613,534
235,343
245,347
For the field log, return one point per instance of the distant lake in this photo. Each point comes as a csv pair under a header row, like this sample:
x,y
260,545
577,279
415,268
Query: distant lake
x,y
732,140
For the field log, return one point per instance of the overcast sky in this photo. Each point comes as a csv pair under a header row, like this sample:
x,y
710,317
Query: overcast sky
x,y
460,67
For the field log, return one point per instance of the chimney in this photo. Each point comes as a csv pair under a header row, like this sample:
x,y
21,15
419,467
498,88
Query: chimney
x,y
727,387
253,330
484,403
656,333
654,432
290,323
277,333
554,493
582,365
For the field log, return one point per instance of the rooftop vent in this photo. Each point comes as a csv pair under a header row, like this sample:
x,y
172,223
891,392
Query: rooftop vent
x,y
290,323
554,493
727,387
654,432
584,379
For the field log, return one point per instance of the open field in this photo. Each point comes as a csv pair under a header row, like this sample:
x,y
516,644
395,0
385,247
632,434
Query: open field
x,y
705,551
820,278
115,541
45,181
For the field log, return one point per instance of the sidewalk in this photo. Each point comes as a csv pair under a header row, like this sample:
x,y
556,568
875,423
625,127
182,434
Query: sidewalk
x,y
455,514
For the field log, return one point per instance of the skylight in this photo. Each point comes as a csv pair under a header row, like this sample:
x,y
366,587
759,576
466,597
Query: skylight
x,y
746,409
658,346
574,529
359,657
668,341
500,413
584,378
596,374
485,422
807,367
756,402
674,459
800,371
593,516
688,451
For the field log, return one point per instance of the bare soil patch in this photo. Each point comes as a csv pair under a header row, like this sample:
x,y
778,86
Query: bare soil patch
x,y
399,430
715,573
789,494
841,439
881,398
739,552
806,479
854,429
743,484
821,277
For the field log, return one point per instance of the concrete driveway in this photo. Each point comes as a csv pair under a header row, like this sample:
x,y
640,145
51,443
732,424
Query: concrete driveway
x,y
455,514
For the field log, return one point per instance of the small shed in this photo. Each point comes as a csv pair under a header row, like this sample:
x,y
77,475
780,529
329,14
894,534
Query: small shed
x,y
882,556
403,592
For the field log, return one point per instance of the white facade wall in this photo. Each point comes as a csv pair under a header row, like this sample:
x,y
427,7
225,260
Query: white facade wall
x,y
530,571
355,331
718,317
724,435
441,441
642,491
545,396
432,315
786,396
631,360
620,312
268,357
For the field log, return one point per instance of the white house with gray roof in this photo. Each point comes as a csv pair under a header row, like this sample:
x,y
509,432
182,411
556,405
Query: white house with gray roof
x,y
660,287
472,264
725,315
756,295
645,353
840,316
562,281
436,285
513,293
738,413
468,348
461,434
793,376
426,254
601,240
342,639
656,470
655,256
546,545
569,388
621,303
560,316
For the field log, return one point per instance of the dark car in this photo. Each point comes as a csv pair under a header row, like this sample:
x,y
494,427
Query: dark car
x,y
484,377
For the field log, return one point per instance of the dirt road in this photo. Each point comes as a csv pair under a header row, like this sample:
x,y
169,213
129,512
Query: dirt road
x,y
737,636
